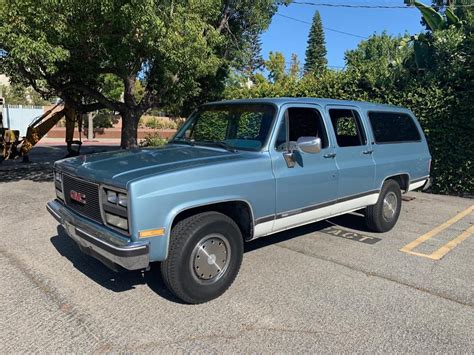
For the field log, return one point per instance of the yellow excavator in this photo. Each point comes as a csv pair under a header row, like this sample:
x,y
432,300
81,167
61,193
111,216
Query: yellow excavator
x,y
12,146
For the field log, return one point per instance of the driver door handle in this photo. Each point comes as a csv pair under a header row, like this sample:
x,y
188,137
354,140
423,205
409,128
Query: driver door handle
x,y
329,155
370,151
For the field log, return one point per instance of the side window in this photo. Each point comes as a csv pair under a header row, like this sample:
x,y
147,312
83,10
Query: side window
x,y
304,122
347,127
391,127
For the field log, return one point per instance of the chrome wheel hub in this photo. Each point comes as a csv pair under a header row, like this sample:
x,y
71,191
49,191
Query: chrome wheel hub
x,y
389,206
210,258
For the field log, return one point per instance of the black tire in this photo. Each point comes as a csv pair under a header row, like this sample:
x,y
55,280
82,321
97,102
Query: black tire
x,y
188,237
375,217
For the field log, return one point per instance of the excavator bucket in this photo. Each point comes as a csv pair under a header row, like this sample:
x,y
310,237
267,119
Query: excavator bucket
x,y
8,143
8,138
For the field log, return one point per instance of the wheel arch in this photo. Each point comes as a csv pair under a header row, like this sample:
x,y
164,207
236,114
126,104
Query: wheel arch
x,y
239,210
403,180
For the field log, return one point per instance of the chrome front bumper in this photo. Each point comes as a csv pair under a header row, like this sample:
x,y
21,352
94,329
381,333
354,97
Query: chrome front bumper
x,y
105,245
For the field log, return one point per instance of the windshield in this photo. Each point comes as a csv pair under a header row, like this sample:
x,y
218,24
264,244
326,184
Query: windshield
x,y
232,126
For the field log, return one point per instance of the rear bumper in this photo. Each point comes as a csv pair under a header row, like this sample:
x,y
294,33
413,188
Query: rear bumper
x,y
423,183
99,242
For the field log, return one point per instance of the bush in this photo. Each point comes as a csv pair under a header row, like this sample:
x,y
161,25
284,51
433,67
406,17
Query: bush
x,y
152,123
159,122
153,140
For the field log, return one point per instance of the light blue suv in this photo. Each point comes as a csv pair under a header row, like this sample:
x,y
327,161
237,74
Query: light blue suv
x,y
236,171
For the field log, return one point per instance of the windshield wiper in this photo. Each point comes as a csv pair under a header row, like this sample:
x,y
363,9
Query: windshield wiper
x,y
219,144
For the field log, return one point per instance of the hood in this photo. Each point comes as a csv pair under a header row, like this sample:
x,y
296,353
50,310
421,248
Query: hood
x,y
119,167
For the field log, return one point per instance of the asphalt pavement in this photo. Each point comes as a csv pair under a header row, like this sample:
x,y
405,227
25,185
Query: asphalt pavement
x,y
330,286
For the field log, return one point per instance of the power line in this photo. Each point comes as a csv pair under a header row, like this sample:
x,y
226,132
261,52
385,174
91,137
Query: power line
x,y
366,6
351,6
326,28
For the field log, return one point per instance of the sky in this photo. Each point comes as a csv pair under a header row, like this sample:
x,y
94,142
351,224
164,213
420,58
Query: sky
x,y
289,36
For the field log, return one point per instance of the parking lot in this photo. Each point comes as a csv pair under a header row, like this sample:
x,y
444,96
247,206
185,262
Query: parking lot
x,y
327,287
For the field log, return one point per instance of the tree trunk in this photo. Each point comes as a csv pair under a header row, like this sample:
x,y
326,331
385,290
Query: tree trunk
x,y
130,120
71,117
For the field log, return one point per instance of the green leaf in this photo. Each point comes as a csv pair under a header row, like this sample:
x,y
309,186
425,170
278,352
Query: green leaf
x,y
433,19
451,17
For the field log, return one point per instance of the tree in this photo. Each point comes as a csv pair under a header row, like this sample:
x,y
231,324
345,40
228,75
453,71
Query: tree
x,y
253,60
316,61
295,67
379,63
179,49
276,66
17,94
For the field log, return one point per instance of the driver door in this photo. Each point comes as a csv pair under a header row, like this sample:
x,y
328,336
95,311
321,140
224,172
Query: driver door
x,y
303,192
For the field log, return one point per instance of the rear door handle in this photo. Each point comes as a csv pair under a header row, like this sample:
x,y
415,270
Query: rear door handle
x,y
329,155
370,151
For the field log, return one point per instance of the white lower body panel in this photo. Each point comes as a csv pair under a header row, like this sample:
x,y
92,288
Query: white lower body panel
x,y
299,219
416,185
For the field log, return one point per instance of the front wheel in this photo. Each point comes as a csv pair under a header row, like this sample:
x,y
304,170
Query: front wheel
x,y
204,257
383,216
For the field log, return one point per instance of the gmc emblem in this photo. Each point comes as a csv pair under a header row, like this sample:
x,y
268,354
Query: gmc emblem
x,y
77,196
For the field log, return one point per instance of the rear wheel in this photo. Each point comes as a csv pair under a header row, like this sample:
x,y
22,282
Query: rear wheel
x,y
383,216
204,257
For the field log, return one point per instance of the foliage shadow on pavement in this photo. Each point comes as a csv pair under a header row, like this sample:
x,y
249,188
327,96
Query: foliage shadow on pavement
x,y
101,274
42,160
37,173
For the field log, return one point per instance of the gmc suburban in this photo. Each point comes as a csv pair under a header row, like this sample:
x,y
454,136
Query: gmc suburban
x,y
235,171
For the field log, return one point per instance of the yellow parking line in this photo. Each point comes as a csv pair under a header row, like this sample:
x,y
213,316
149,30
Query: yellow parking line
x,y
437,230
445,249
438,254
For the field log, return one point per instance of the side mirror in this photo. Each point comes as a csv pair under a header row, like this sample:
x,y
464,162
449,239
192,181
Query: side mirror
x,y
310,145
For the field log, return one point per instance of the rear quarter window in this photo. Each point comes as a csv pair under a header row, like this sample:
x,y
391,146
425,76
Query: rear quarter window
x,y
393,127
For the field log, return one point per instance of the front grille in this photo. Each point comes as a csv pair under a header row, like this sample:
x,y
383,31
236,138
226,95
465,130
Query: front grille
x,y
90,191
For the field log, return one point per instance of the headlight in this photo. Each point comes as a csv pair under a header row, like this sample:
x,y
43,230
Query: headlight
x,y
58,177
116,198
116,221
122,200
112,197
58,184
114,205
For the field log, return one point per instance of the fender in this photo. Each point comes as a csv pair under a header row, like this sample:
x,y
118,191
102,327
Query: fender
x,y
196,204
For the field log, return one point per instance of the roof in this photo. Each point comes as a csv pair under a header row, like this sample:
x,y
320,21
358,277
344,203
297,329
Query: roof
x,y
310,100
